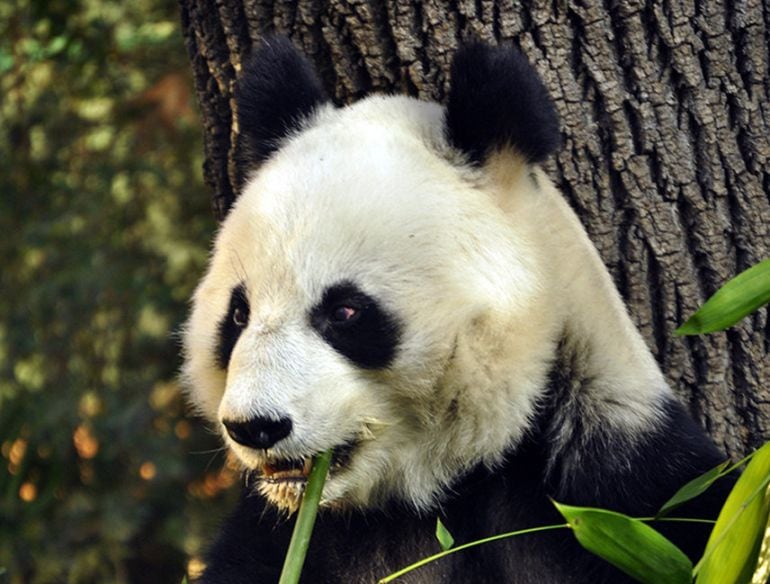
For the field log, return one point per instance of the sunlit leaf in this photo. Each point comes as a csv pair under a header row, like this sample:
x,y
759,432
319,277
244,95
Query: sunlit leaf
x,y
733,547
742,295
445,539
630,545
56,46
694,488
762,571
6,61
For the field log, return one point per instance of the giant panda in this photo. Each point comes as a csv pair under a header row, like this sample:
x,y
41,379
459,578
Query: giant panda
x,y
401,282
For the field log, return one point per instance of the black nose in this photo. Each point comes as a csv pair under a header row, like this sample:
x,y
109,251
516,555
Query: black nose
x,y
258,432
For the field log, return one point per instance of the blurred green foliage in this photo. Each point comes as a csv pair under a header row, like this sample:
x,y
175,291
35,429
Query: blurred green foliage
x,y
105,225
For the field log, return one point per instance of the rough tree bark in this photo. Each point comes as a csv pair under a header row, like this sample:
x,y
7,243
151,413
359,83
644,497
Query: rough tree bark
x,y
664,112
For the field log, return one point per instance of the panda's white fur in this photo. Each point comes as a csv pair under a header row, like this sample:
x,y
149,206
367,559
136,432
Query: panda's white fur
x,y
486,270
492,280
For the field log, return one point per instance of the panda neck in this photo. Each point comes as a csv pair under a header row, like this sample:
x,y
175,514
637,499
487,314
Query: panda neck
x,y
614,377
611,368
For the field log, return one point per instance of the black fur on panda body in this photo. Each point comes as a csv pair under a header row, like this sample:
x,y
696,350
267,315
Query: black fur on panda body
x,y
562,455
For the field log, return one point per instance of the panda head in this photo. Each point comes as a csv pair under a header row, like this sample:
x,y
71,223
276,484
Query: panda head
x,y
368,291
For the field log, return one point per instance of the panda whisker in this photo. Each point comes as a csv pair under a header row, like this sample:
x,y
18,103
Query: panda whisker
x,y
239,268
210,451
214,456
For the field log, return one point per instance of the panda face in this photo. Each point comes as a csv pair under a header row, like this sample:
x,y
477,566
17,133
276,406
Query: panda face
x,y
358,297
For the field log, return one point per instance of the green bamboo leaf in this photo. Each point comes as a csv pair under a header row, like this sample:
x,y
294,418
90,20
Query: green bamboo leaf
x,y
303,529
445,539
630,545
762,571
694,488
742,295
699,484
734,545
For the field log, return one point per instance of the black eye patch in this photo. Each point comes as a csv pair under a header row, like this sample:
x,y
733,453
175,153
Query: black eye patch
x,y
356,326
232,324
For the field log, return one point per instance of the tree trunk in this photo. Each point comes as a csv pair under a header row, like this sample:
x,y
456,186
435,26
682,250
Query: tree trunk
x,y
666,149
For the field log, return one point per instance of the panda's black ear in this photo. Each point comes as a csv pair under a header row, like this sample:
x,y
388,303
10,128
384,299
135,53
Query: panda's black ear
x,y
496,101
277,89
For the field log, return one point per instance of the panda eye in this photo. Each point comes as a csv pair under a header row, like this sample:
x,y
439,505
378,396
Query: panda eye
x,y
344,314
356,325
240,317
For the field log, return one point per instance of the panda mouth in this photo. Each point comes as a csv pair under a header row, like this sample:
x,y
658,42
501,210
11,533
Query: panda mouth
x,y
297,470
277,471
